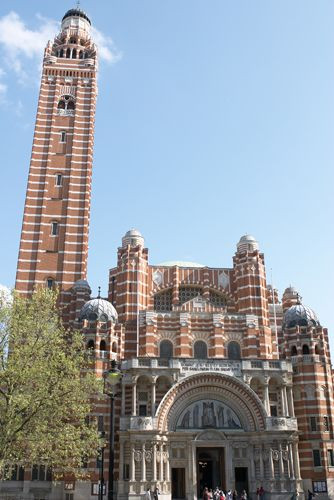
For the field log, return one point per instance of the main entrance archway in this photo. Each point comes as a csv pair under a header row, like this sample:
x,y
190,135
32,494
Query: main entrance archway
x,y
217,401
206,417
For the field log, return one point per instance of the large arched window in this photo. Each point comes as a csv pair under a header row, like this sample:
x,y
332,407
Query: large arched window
x,y
306,349
294,351
233,350
200,349
166,349
90,345
66,105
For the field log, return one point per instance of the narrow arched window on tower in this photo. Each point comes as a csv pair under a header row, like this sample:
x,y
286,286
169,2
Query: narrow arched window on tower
x,y
233,350
80,54
74,54
61,54
62,136
54,228
61,104
200,350
68,53
59,180
166,349
50,283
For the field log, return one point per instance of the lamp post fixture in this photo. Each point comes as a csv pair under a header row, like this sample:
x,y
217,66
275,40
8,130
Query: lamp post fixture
x,y
111,379
101,480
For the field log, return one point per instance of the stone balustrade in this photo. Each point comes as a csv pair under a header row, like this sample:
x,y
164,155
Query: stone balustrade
x,y
186,365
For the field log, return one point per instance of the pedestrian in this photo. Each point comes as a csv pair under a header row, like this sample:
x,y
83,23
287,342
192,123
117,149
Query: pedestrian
x,y
148,494
260,493
222,495
310,495
206,494
156,493
235,495
229,495
243,495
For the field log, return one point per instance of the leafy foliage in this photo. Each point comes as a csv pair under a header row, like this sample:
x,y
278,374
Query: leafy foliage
x,y
46,388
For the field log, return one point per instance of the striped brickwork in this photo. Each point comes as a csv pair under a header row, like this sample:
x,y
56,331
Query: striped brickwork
x,y
59,182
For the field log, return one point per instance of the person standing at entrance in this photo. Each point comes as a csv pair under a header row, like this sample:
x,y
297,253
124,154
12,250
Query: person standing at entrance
x,y
206,494
148,494
229,495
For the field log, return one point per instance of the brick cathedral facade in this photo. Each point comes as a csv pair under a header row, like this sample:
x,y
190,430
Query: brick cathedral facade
x,y
224,383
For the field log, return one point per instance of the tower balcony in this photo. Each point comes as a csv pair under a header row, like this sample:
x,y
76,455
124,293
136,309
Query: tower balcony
x,y
65,112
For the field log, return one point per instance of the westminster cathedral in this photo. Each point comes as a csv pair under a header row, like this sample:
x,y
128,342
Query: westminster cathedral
x,y
225,382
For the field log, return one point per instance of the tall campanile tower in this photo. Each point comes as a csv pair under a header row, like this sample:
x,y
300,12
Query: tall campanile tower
x,y
54,239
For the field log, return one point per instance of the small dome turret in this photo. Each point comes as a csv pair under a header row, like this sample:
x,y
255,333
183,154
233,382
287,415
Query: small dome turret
x,y
81,284
76,21
98,310
133,238
76,13
299,315
247,243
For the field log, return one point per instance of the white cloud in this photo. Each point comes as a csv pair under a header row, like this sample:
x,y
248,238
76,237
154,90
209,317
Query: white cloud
x,y
22,47
21,44
107,50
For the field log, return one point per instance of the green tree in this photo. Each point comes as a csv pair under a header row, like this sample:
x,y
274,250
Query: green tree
x,y
46,387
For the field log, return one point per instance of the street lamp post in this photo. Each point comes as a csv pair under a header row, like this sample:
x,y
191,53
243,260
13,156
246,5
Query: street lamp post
x,y
101,481
111,379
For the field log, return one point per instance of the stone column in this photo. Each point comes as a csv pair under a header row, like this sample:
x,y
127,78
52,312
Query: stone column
x,y
252,462
193,471
281,464
153,399
143,463
154,461
266,397
134,399
283,401
271,464
287,412
167,465
123,401
290,402
296,460
291,464
261,463
121,460
132,463
161,462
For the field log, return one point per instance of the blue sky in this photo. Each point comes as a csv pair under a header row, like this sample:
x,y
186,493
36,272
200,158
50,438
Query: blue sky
x,y
214,119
